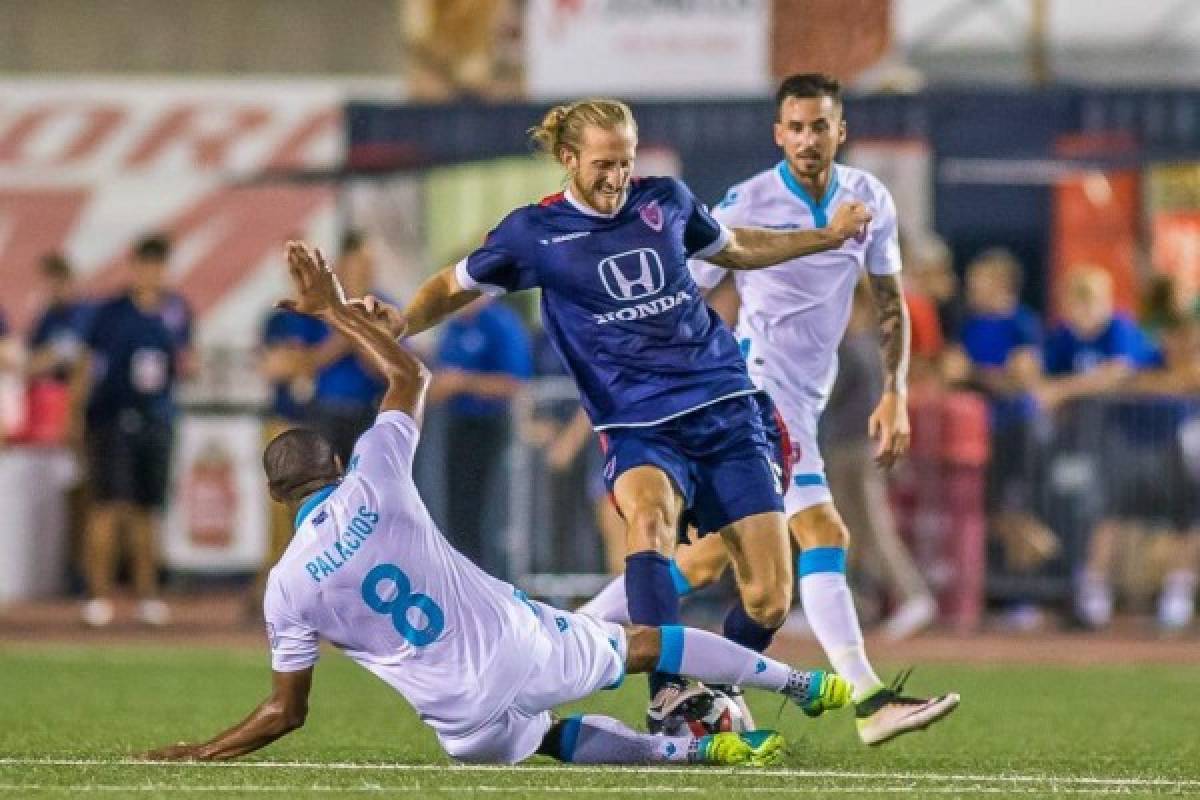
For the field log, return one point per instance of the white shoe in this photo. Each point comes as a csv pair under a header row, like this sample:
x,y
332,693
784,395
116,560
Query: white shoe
x,y
1094,603
887,713
153,612
910,618
97,612
1175,609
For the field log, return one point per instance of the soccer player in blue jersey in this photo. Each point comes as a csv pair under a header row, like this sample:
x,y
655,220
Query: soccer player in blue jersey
x,y
660,375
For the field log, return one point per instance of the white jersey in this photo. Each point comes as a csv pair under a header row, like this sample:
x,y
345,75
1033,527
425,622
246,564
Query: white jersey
x,y
793,315
369,571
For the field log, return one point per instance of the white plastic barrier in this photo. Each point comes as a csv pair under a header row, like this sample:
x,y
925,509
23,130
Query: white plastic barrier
x,y
33,524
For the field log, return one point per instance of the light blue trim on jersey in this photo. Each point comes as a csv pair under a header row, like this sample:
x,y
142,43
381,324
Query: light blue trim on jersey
x,y
670,651
682,586
821,559
820,211
570,736
617,649
809,479
315,499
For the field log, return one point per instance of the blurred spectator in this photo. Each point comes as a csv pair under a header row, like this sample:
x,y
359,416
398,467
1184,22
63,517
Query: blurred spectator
x,y
1162,307
347,390
137,349
1155,485
929,266
1000,343
1092,352
484,355
55,347
56,339
857,484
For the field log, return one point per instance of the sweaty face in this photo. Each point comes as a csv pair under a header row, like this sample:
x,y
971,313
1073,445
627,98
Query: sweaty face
x,y
809,131
600,171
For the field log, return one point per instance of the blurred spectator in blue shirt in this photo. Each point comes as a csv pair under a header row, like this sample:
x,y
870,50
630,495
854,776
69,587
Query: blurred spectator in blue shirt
x,y
484,356
138,348
56,339
346,389
1000,354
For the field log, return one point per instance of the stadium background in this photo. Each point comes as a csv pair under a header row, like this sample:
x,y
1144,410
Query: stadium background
x,y
1066,137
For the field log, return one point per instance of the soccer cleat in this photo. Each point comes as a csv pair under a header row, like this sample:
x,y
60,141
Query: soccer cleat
x,y
752,749
666,704
822,691
887,713
97,612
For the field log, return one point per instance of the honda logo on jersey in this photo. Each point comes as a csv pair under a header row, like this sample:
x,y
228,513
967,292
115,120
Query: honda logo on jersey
x,y
633,274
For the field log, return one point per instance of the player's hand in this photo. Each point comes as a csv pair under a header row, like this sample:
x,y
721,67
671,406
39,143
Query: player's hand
x,y
889,424
850,220
382,313
317,290
174,752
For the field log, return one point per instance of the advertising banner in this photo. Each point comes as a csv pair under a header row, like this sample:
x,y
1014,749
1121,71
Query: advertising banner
x,y
646,48
88,166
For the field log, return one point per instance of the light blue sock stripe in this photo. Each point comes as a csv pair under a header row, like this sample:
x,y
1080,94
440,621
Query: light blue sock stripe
x,y
821,559
670,654
809,479
682,587
570,736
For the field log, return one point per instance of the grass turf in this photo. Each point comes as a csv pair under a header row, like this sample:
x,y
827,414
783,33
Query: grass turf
x,y
1021,731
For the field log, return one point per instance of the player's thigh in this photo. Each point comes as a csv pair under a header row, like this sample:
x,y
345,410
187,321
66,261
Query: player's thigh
x,y
587,656
650,500
762,561
510,738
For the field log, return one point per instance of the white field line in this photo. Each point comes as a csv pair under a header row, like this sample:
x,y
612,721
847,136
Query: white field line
x,y
566,770
588,790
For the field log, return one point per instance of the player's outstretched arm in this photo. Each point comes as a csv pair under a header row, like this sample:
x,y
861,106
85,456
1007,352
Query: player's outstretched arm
x,y
756,248
368,325
436,299
281,713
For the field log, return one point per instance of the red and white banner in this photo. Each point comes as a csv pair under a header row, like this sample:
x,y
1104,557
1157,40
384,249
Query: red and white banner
x,y
87,167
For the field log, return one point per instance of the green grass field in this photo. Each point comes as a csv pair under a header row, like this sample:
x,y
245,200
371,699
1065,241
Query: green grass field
x,y
71,717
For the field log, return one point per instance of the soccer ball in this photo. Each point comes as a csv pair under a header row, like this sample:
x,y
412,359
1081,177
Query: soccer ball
x,y
700,710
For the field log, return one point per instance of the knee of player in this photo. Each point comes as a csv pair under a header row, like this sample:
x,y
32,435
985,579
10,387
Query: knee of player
x,y
643,645
820,526
768,605
651,521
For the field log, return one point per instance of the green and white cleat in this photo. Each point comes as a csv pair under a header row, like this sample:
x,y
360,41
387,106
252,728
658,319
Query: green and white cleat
x,y
750,749
887,713
825,691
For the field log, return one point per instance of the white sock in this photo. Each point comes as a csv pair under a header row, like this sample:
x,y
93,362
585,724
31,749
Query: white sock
x,y
610,605
829,609
714,659
595,739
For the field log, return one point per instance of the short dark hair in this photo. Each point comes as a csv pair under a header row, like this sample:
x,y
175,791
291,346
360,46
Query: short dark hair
x,y
55,265
808,84
353,240
298,462
153,247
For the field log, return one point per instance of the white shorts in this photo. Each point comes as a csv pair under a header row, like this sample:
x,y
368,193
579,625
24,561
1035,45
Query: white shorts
x,y
808,486
587,655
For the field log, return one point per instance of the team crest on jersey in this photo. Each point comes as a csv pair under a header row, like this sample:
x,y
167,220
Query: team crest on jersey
x,y
652,215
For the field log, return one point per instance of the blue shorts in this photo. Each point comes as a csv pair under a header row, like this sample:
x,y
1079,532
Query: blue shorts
x,y
719,457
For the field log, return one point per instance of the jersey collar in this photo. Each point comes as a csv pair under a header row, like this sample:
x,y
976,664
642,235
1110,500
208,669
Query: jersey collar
x,y
820,211
584,208
315,499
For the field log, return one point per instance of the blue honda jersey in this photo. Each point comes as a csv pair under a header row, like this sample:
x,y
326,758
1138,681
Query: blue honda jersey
x,y
618,302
